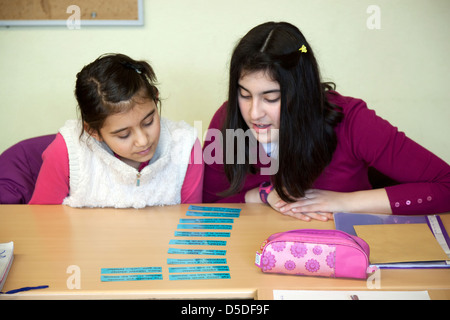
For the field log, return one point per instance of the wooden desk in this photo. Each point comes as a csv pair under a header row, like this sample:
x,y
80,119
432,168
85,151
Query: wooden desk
x,y
49,239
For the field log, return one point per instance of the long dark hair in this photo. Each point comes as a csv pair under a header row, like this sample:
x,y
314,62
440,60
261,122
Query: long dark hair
x,y
307,139
111,84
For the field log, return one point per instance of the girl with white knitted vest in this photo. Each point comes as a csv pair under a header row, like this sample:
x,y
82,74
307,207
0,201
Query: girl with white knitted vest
x,y
121,153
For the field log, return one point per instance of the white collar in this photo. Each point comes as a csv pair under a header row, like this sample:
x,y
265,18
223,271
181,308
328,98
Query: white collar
x,y
271,149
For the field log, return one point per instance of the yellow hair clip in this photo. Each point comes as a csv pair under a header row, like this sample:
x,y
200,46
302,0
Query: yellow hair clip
x,y
303,49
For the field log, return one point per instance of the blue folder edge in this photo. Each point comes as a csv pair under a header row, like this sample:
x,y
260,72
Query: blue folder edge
x,y
345,221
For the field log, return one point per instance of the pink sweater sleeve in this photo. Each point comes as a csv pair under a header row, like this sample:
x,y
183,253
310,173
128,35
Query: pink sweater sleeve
x,y
191,191
52,184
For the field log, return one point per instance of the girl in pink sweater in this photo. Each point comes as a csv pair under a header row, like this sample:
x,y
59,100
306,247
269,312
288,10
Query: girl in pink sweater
x,y
121,153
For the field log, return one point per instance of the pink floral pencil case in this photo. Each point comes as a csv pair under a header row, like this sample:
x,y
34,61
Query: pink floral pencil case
x,y
326,253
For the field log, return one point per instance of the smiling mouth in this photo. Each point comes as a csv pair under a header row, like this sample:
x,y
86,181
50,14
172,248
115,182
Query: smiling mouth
x,y
259,127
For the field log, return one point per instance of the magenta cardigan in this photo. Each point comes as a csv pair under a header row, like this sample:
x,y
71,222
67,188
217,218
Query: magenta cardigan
x,y
364,140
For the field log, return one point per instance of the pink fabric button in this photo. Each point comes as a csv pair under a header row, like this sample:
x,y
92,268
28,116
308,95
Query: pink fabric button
x,y
429,198
397,204
419,200
408,202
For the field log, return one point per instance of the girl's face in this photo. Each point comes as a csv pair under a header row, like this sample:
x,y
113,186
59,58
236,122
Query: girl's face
x,y
259,100
132,135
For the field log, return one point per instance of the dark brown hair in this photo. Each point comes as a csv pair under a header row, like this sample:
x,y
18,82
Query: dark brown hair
x,y
307,139
113,83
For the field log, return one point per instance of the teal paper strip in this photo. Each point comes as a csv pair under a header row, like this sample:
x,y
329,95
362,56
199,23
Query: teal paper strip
x,y
205,226
212,214
131,270
213,220
199,276
196,261
214,209
201,234
201,252
198,269
132,277
199,242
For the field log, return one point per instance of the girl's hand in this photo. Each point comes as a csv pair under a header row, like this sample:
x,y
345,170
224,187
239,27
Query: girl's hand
x,y
320,203
316,204
292,210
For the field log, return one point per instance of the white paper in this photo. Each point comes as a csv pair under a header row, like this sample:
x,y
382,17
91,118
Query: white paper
x,y
6,257
347,295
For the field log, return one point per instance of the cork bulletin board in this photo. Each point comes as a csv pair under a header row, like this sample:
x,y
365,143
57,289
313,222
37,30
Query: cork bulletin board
x,y
71,12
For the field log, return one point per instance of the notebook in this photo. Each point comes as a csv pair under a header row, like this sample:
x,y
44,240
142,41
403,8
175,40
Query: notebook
x,y
394,243
346,222
6,258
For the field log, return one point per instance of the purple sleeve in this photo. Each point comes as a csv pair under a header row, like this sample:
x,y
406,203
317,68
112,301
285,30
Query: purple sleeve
x,y
19,168
424,178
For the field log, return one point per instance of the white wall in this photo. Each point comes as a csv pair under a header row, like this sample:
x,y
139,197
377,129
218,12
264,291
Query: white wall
x,y
401,70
